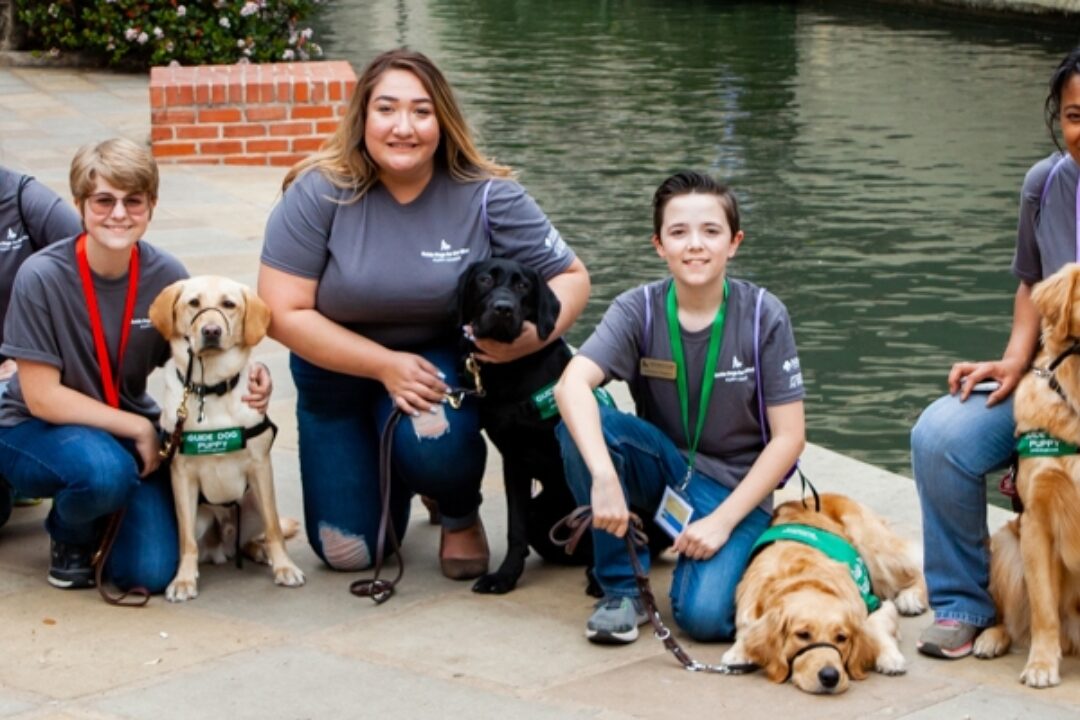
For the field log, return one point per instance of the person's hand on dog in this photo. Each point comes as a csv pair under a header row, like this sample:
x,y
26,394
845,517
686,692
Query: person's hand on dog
x,y
260,386
493,351
413,383
701,539
965,375
609,509
147,445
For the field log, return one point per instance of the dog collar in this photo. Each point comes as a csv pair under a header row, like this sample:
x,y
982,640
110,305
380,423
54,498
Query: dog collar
x,y
219,442
219,389
835,548
1039,443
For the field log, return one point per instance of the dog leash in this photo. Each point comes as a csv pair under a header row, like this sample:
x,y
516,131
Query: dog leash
x,y
577,524
139,594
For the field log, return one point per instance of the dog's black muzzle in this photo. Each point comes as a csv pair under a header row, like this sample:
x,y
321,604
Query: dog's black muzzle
x,y
501,317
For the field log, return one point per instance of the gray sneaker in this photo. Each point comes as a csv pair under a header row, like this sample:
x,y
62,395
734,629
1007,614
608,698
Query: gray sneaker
x,y
615,620
949,639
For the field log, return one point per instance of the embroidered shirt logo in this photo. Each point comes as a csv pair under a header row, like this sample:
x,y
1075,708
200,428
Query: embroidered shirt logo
x,y
12,240
142,323
445,253
736,363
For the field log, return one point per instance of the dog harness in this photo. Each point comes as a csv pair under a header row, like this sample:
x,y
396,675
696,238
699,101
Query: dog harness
x,y
543,400
832,545
1039,443
219,442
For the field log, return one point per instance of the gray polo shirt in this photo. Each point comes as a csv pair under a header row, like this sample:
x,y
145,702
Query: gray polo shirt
x,y
731,439
48,219
389,271
49,323
1046,230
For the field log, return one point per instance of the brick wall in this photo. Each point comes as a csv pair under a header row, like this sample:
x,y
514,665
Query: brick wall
x,y
247,114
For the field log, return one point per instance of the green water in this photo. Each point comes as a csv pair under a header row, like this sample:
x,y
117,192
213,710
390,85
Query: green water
x,y
877,152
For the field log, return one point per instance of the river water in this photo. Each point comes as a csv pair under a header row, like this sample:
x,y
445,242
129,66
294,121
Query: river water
x,y
877,153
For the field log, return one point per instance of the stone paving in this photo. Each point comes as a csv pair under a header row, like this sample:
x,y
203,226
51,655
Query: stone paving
x,y
252,650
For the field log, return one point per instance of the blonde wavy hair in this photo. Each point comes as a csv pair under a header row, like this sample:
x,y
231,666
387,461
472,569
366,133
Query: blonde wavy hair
x,y
344,159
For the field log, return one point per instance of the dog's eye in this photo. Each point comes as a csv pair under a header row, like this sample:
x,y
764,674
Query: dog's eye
x,y
193,302
228,304
521,287
484,281
803,634
841,638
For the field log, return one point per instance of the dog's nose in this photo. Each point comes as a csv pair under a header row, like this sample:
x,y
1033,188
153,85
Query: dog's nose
x,y
503,308
828,677
211,332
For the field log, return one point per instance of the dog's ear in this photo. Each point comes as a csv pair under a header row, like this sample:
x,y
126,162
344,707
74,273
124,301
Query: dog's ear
x,y
465,294
864,652
1054,299
256,318
764,643
547,304
163,309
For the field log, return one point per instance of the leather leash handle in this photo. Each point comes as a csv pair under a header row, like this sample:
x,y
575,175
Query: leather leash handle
x,y
139,595
377,588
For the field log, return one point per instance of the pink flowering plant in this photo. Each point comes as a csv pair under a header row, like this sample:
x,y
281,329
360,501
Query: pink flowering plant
x,y
140,33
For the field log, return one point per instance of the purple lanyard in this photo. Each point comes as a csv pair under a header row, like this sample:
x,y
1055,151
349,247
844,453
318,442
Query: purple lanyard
x,y
1046,188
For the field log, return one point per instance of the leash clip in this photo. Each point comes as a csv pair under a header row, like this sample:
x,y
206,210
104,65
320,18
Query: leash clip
x,y
473,368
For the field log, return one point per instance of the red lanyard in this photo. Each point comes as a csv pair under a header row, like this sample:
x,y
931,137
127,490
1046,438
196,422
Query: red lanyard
x,y
109,383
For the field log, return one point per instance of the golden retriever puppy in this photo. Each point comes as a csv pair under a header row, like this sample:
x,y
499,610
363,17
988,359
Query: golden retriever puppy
x,y
212,323
1035,559
800,615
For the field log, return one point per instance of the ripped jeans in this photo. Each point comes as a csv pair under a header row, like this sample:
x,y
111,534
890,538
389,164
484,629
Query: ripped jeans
x,y
340,418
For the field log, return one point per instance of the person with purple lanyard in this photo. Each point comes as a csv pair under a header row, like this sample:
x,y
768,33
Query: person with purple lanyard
x,y
713,368
970,432
76,423
31,217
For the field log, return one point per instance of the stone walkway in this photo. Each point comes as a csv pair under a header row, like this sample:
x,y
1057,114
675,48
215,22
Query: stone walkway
x,y
248,649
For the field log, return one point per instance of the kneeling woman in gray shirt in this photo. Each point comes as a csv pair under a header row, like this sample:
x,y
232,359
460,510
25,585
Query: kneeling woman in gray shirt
x,y
691,346
360,266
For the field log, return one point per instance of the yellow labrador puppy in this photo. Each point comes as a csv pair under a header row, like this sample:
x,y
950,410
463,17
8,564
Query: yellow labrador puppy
x,y
212,323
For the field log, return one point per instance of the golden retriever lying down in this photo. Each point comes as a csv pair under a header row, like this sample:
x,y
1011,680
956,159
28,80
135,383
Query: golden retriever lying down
x,y
1035,558
799,614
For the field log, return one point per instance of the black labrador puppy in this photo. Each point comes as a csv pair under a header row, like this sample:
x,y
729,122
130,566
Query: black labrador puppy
x,y
518,412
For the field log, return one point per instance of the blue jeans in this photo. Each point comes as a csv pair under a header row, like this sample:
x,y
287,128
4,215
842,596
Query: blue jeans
x,y
340,418
89,474
702,591
953,446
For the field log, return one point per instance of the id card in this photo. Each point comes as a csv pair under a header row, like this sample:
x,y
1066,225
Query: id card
x,y
674,512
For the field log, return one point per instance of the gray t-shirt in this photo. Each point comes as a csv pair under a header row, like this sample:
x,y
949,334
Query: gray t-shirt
x,y
390,271
49,323
731,439
48,219
1046,231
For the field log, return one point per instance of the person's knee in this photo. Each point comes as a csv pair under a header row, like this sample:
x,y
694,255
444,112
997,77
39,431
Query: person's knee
x,y
706,621
341,549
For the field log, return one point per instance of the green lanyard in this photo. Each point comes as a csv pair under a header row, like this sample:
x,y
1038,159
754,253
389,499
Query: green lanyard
x,y
707,375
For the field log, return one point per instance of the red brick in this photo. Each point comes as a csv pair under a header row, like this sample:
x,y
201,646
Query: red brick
x,y
308,144
244,130
172,117
335,91
202,94
311,112
267,146
326,126
157,97
220,115
219,93
290,128
179,95
173,149
290,160
161,132
227,147
263,113
245,160
197,132
302,91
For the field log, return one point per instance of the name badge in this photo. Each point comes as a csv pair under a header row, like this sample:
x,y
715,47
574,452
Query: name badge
x,y
212,442
674,512
663,369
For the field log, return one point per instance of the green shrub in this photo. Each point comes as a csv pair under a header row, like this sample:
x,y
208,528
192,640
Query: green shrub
x,y
140,33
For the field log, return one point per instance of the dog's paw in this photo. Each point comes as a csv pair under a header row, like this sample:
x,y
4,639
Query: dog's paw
x,y
1040,674
890,661
182,589
495,584
255,550
735,656
911,601
288,575
992,642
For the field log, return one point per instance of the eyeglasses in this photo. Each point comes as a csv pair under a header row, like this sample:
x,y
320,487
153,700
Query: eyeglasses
x,y
103,203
